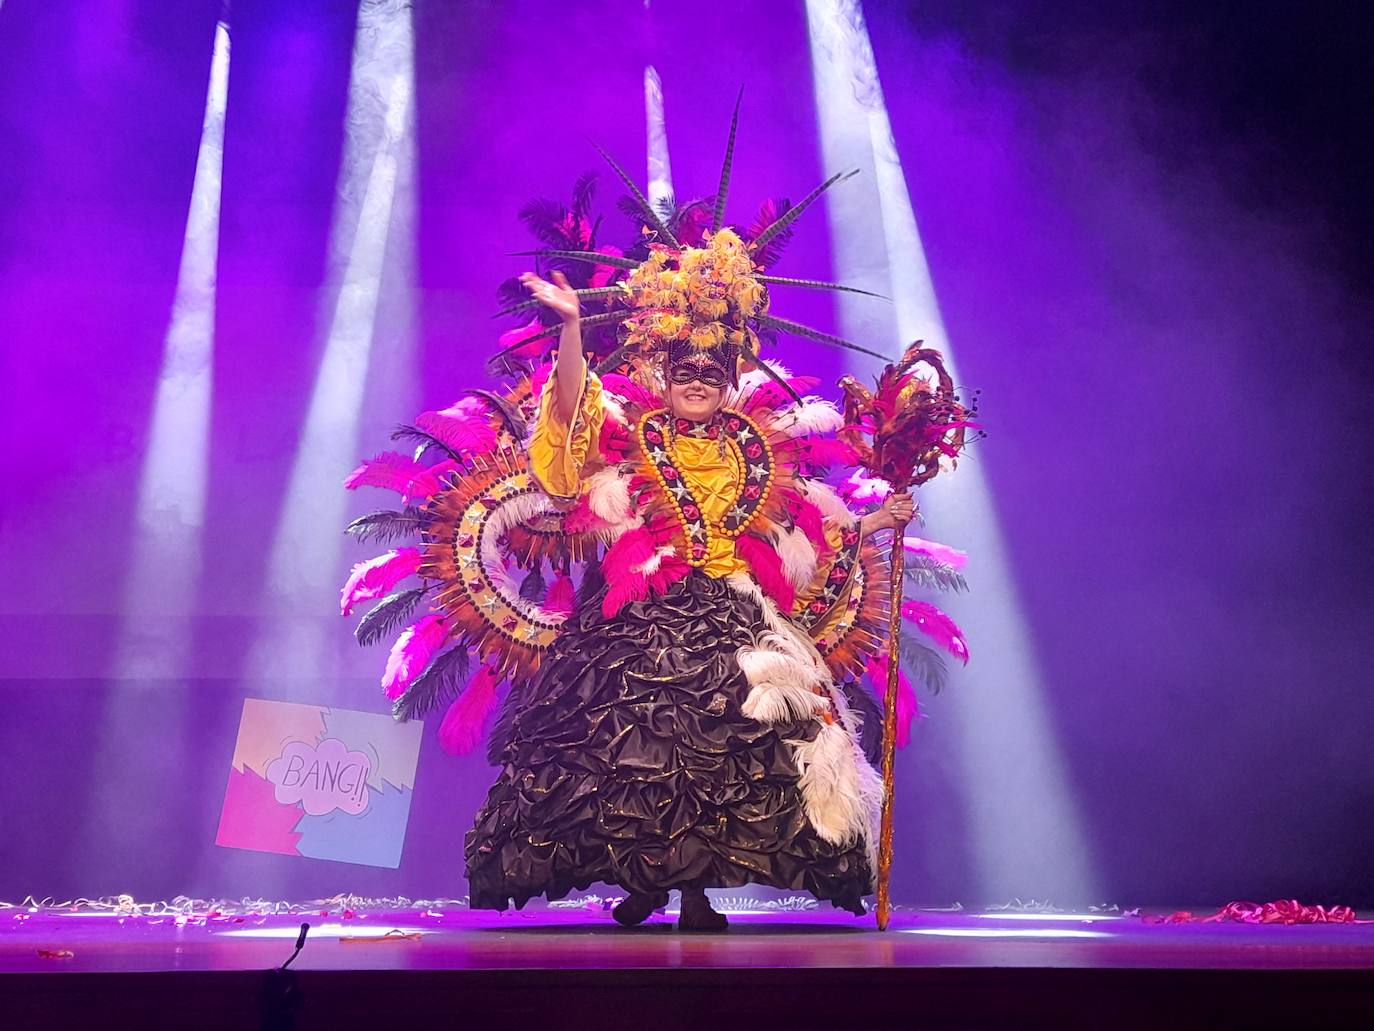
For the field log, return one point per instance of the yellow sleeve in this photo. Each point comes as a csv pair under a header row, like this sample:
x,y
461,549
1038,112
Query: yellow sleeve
x,y
559,451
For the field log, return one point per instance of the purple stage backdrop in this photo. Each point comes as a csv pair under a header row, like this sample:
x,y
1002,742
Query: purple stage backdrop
x,y
1178,460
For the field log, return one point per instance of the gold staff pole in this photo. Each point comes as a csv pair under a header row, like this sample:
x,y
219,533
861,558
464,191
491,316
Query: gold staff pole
x,y
890,726
910,424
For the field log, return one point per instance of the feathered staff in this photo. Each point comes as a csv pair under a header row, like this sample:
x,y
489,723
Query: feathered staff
x,y
899,434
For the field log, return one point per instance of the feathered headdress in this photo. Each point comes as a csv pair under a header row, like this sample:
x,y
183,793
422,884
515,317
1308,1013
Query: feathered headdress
x,y
689,287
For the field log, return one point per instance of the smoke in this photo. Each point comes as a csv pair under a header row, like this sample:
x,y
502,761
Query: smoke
x,y
1150,282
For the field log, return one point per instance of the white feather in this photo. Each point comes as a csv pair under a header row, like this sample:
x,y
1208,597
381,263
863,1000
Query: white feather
x,y
783,635
803,671
510,513
798,556
782,666
813,415
777,692
871,792
608,495
831,798
842,791
751,381
781,658
830,503
775,703
519,509
650,565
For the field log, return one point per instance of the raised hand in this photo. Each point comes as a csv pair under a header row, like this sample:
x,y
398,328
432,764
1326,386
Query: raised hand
x,y
557,296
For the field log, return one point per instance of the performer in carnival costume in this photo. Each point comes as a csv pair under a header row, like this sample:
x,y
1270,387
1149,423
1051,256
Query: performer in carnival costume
x,y
682,706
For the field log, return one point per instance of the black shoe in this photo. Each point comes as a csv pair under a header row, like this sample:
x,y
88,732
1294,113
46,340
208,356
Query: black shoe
x,y
637,907
697,914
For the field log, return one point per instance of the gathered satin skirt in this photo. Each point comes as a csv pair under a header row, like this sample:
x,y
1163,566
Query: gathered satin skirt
x,y
626,760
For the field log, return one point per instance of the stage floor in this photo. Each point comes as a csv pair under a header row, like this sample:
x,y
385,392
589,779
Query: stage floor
x,y
587,938
820,968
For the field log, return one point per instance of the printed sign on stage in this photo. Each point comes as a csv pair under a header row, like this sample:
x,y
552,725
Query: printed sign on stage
x,y
308,780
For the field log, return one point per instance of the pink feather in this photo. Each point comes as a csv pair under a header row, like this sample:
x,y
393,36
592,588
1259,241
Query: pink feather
x,y
630,587
400,473
560,597
937,626
632,549
581,518
428,482
766,563
939,552
463,722
614,440
862,489
769,394
603,274
376,576
535,348
466,426
811,519
670,570
824,451
631,392
907,706
539,378
411,653
390,469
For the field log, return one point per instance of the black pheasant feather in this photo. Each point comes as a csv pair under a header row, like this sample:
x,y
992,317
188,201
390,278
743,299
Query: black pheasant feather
x,y
387,524
440,683
388,614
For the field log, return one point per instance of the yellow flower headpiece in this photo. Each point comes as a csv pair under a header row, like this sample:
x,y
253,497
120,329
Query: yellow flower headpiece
x,y
695,297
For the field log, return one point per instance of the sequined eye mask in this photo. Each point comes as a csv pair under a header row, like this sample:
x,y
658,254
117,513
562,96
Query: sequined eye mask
x,y
684,373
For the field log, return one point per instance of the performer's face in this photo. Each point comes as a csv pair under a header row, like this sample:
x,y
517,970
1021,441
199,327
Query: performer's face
x,y
694,401
695,391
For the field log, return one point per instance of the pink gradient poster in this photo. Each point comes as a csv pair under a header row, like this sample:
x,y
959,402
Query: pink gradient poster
x,y
308,780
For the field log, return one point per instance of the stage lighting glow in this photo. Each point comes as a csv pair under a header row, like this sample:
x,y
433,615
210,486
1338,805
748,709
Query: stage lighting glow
x,y
660,168
151,658
371,271
321,931
1077,918
1027,838
166,556
1003,932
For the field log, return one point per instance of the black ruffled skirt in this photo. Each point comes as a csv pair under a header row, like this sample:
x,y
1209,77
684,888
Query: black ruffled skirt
x,y
627,760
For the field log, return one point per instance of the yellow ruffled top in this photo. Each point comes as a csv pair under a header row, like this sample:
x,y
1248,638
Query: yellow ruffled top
x,y
559,452
716,485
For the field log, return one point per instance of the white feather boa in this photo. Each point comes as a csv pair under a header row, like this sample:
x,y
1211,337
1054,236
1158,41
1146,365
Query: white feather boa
x,y
842,792
608,497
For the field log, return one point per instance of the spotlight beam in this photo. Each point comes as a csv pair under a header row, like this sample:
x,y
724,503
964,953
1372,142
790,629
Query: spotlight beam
x,y
660,167
147,686
1027,839
300,645
166,558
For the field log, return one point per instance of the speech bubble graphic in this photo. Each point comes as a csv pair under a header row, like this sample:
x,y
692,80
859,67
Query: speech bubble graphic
x,y
321,777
